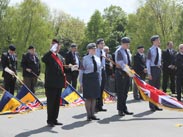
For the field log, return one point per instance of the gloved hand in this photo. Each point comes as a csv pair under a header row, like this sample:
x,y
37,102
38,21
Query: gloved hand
x,y
29,70
129,71
54,47
9,71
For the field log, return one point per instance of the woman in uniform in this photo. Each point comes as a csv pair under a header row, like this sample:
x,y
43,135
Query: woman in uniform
x,y
90,77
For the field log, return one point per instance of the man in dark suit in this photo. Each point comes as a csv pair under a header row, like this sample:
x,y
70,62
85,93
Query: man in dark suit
x,y
31,68
168,58
140,68
72,72
9,60
54,82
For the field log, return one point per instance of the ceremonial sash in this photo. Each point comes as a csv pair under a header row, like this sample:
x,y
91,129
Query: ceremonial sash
x,y
59,62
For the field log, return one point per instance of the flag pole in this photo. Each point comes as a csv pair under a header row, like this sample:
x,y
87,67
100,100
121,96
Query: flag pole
x,y
2,89
36,76
13,74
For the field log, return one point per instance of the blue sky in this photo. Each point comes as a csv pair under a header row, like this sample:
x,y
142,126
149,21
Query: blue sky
x,y
83,9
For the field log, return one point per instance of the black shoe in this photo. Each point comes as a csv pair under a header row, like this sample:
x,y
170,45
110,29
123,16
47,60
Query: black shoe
x,y
128,113
159,109
101,109
88,119
58,123
51,124
95,118
120,113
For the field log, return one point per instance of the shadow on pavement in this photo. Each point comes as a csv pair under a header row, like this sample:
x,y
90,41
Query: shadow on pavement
x,y
36,131
77,124
79,116
145,113
114,118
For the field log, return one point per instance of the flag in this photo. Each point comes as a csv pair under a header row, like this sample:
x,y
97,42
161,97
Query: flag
x,y
10,104
71,96
27,97
157,96
107,97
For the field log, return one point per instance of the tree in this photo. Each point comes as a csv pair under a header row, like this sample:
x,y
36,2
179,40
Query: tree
x,y
115,20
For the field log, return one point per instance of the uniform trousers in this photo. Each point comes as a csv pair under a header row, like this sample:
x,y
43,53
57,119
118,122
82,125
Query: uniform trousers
x,y
156,77
122,87
9,84
53,103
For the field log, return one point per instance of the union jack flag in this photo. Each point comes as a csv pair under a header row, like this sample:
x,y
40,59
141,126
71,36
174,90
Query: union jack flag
x,y
157,96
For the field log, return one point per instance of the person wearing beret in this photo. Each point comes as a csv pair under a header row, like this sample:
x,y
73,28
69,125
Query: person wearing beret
x,y
9,60
153,63
168,67
122,58
101,54
54,82
89,78
139,65
31,68
72,58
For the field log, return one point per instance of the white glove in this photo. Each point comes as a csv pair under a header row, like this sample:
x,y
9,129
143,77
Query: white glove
x,y
129,71
74,67
54,47
9,71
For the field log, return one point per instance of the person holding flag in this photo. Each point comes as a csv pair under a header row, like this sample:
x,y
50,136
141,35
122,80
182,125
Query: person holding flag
x,y
54,82
31,68
123,59
89,78
9,60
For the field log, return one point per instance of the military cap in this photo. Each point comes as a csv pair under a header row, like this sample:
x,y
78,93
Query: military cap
x,y
31,47
12,48
154,37
139,47
99,40
73,45
125,40
91,46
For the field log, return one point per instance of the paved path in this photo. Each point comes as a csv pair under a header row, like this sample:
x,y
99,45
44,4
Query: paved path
x,y
143,123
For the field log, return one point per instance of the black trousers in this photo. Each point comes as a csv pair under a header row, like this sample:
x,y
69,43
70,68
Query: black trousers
x,y
72,78
122,87
156,77
99,101
168,75
9,84
179,86
53,103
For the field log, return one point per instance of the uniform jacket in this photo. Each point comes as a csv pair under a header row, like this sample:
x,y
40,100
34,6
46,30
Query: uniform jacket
x,y
69,59
8,61
139,63
179,65
28,61
54,77
168,59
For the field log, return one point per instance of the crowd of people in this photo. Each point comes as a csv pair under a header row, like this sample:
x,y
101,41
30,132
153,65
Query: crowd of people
x,y
97,70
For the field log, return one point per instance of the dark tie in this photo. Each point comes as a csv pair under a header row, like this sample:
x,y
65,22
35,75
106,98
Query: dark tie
x,y
74,58
95,64
128,57
157,57
101,55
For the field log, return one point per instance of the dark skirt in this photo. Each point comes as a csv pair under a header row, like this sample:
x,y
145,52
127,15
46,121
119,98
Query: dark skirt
x,y
91,85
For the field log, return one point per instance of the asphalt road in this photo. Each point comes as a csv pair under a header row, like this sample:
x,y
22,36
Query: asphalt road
x,y
143,123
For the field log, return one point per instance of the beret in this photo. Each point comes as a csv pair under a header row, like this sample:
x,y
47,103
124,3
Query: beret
x,y
91,46
12,48
73,45
31,47
154,37
139,47
125,40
